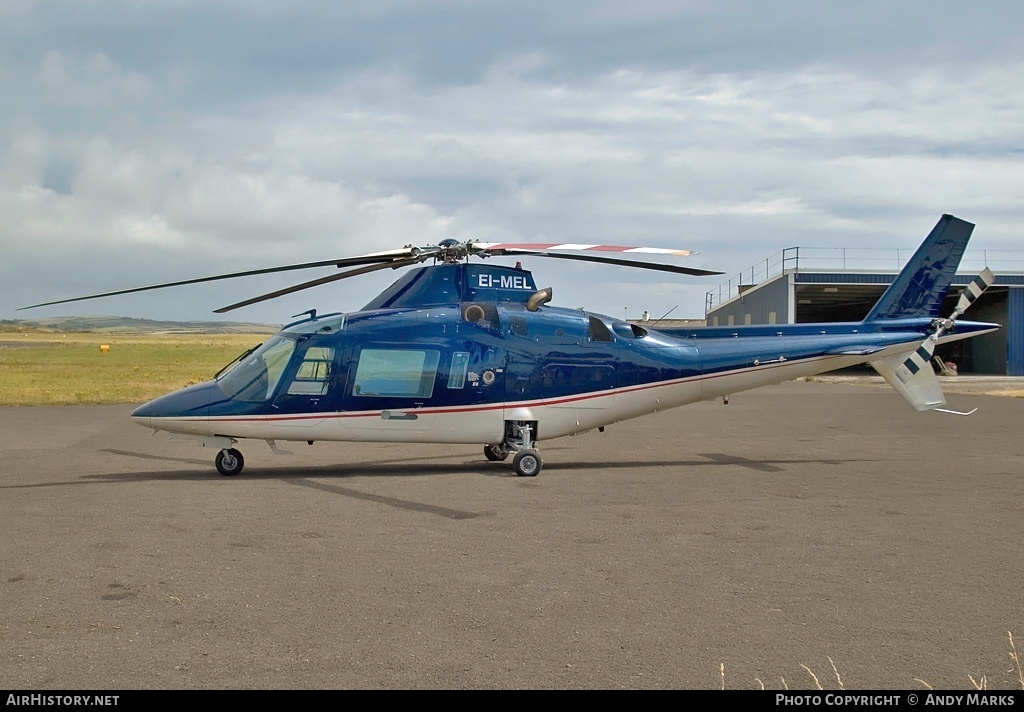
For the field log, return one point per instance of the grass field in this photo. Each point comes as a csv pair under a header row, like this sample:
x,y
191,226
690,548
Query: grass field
x,y
39,367
42,368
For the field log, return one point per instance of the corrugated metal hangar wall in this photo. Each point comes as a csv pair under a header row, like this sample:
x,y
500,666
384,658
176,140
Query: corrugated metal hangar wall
x,y
800,296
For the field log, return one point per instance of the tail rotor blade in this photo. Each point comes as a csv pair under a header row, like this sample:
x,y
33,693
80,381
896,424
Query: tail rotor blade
x,y
972,291
922,357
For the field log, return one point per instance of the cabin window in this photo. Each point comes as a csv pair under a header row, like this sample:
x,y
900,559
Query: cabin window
x,y
460,367
314,372
404,373
255,377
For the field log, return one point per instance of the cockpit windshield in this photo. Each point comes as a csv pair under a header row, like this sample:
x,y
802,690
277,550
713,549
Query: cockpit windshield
x,y
256,376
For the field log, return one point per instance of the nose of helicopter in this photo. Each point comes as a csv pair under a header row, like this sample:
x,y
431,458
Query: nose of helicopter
x,y
193,401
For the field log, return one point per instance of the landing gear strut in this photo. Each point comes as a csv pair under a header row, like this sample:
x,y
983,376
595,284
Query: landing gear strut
x,y
519,439
229,462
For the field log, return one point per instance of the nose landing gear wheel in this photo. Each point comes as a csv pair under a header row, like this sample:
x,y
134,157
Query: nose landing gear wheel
x,y
229,462
527,463
495,453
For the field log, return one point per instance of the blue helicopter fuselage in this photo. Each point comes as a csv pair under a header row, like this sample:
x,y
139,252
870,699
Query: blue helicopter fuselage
x,y
453,353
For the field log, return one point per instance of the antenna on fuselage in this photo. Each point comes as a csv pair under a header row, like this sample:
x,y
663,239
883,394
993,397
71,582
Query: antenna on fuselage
x,y
665,314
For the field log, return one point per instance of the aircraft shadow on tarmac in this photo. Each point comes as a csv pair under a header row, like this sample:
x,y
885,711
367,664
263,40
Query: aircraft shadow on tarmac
x,y
445,465
312,477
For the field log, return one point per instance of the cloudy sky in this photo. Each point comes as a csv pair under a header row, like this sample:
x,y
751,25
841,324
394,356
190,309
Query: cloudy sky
x,y
145,141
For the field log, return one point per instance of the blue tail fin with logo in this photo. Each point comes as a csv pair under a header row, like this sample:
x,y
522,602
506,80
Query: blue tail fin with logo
x,y
921,288
919,291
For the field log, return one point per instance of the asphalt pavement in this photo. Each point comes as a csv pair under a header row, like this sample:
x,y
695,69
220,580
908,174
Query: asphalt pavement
x,y
804,534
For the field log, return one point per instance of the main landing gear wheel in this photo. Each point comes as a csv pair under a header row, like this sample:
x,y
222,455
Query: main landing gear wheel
x,y
229,462
527,463
495,453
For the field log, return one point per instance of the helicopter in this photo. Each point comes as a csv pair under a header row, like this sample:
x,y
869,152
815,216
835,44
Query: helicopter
x,y
465,353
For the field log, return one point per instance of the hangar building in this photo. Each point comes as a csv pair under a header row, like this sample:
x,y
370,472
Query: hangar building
x,y
803,284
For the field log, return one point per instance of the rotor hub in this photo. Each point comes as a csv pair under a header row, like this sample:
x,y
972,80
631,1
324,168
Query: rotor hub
x,y
451,251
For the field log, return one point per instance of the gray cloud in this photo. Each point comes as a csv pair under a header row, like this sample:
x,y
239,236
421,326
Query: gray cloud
x,y
142,143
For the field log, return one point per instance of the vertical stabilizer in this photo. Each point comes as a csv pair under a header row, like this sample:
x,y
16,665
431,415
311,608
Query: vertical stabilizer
x,y
916,383
921,287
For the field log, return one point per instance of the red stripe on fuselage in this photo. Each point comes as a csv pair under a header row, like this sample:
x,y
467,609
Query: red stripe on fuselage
x,y
495,406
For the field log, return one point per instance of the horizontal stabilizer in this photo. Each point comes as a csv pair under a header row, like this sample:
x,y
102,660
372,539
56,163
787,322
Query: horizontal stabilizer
x,y
855,350
912,376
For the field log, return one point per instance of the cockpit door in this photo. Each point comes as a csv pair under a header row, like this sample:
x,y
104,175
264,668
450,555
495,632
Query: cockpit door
x,y
311,383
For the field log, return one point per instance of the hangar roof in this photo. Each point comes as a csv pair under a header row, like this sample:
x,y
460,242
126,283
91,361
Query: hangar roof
x,y
828,281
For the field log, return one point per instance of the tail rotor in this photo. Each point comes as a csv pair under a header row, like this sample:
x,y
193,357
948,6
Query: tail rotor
x,y
911,374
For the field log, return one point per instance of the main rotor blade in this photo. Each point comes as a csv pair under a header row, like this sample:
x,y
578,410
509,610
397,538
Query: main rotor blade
x,y
388,258
509,247
316,283
693,272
